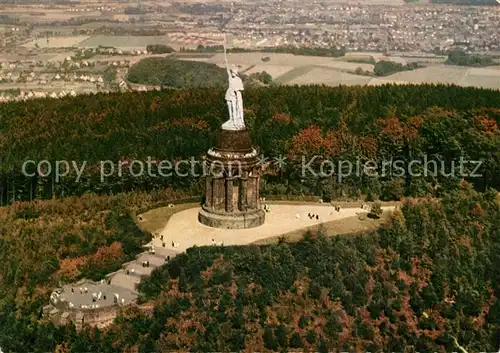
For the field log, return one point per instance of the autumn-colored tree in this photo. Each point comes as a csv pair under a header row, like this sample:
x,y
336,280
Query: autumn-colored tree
x,y
486,124
311,141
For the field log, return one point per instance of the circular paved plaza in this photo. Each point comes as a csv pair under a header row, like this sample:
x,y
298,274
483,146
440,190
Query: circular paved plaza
x,y
184,229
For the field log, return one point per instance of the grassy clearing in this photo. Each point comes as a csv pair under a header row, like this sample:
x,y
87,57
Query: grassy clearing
x,y
345,226
156,219
360,59
342,204
293,74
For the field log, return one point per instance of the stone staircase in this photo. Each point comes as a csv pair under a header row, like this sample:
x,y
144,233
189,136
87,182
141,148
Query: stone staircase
x,y
75,302
132,272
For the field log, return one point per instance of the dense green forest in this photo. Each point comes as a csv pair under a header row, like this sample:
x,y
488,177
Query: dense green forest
x,y
427,281
262,76
176,73
438,123
46,243
460,58
385,68
159,49
173,73
286,49
75,237
314,51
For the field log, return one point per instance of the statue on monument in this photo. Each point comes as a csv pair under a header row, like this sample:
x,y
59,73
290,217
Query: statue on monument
x,y
232,188
234,98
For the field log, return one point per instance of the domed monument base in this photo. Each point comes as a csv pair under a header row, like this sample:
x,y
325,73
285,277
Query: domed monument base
x,y
232,183
232,221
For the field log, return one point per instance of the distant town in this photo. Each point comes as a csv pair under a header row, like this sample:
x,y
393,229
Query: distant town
x,y
68,48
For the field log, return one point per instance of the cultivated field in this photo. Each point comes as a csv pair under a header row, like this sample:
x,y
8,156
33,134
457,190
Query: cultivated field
x,y
37,14
294,74
56,42
80,87
304,70
124,42
329,77
293,69
273,70
462,76
247,59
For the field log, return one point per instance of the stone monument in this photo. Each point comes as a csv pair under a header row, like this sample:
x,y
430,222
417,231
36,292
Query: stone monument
x,y
232,169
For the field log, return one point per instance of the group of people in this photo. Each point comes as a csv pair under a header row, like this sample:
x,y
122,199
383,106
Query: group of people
x,y
313,216
214,243
163,243
116,299
174,245
336,208
82,290
98,296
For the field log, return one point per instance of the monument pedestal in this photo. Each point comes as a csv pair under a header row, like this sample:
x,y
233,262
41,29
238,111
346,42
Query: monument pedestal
x,y
232,180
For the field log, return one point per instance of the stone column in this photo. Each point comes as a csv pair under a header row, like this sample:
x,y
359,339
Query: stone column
x,y
208,193
256,186
243,203
218,194
229,194
250,192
